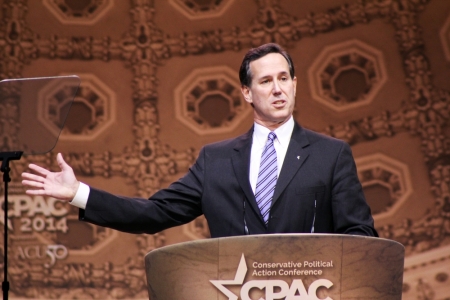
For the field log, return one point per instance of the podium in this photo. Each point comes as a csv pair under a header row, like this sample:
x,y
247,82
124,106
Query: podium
x,y
282,266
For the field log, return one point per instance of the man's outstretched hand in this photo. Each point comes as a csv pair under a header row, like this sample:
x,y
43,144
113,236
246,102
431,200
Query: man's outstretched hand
x,y
60,185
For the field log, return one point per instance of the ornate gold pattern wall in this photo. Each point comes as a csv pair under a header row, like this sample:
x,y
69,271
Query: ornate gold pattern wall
x,y
159,80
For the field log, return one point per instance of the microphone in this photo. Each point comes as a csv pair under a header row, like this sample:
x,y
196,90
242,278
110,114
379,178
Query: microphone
x,y
245,222
314,219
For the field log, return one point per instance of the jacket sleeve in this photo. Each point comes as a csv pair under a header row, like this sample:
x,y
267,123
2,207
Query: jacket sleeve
x,y
178,204
351,213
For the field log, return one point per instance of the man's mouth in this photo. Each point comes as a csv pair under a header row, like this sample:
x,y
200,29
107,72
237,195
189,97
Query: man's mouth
x,y
279,102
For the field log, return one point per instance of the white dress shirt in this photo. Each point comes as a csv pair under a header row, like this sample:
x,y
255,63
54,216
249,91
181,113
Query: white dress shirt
x,y
81,197
260,134
281,143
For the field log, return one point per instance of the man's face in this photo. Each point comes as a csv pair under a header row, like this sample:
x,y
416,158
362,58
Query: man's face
x,y
272,91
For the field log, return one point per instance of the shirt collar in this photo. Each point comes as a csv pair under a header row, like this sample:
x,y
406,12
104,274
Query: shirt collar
x,y
284,133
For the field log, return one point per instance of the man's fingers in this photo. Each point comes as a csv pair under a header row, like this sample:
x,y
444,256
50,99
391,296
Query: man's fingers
x,y
32,177
38,169
35,192
32,183
61,162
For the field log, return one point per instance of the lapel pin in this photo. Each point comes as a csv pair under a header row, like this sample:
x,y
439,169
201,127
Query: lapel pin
x,y
298,157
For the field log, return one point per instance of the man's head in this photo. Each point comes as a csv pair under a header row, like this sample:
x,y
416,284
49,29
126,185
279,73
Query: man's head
x,y
268,83
245,75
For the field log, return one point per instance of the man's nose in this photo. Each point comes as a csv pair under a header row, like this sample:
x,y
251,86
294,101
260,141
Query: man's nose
x,y
276,88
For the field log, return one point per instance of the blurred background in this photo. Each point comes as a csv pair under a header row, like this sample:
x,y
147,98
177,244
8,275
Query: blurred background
x,y
159,80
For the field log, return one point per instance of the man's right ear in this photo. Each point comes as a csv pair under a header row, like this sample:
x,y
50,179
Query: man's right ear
x,y
245,90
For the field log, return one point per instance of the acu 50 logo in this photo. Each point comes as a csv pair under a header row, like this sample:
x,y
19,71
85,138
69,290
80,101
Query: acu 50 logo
x,y
274,289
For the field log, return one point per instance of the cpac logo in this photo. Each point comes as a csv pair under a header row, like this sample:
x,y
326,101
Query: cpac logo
x,y
275,289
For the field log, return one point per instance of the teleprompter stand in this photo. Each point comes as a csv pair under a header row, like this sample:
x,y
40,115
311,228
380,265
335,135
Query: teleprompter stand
x,y
5,157
30,104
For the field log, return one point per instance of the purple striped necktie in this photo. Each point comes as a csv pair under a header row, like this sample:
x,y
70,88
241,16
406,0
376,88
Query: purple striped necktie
x,y
267,177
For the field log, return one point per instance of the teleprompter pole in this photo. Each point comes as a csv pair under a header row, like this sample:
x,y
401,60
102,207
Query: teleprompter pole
x,y
5,157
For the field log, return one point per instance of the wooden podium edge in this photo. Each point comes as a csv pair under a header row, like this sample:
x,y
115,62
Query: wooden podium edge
x,y
360,257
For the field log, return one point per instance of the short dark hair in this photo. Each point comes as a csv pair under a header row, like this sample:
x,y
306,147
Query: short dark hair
x,y
245,75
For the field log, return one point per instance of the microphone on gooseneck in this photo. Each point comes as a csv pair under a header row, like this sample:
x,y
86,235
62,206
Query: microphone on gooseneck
x,y
245,222
314,219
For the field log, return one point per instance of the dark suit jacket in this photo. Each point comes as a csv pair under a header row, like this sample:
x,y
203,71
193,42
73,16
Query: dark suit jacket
x,y
318,186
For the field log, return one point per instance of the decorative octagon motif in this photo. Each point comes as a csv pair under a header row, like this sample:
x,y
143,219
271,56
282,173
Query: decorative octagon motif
x,y
94,238
209,101
197,229
76,12
201,9
347,75
92,110
383,176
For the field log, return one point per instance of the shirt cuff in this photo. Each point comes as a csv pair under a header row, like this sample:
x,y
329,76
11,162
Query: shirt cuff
x,y
81,197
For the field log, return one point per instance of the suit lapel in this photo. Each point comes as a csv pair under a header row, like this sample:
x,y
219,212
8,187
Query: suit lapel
x,y
241,164
296,155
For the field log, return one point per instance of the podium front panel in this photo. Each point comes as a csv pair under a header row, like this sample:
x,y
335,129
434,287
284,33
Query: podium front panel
x,y
286,266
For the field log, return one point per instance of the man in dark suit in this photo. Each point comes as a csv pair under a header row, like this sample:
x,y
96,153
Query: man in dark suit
x,y
276,178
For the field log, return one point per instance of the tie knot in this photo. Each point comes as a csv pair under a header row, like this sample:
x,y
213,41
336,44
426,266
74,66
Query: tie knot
x,y
272,136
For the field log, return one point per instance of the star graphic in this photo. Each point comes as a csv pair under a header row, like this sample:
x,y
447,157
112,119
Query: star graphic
x,y
238,279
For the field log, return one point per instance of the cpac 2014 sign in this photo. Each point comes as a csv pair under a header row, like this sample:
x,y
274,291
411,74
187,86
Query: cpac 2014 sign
x,y
276,288
36,214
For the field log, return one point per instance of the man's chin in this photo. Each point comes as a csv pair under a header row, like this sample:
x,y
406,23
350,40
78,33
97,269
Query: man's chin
x,y
281,118
274,122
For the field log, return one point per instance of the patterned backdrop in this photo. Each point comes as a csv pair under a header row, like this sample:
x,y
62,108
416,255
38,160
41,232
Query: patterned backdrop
x,y
159,80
